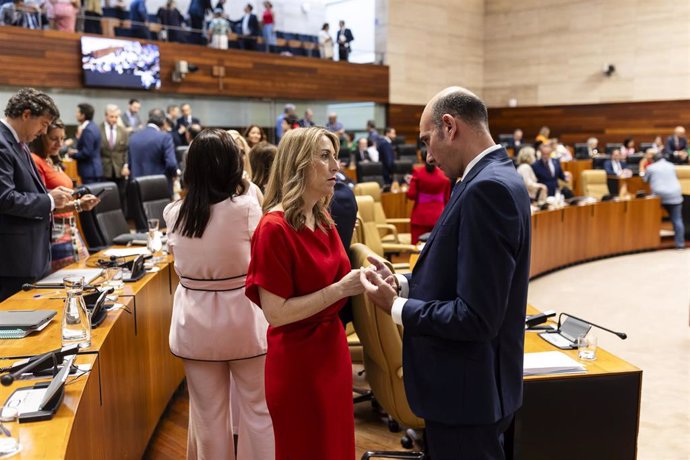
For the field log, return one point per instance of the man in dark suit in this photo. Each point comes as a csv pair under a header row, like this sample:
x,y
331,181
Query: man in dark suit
x,y
386,154
516,142
25,204
616,166
344,37
151,150
114,141
548,170
184,121
463,306
676,148
249,28
88,151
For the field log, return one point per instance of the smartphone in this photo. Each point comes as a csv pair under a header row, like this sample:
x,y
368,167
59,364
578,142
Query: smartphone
x,y
100,192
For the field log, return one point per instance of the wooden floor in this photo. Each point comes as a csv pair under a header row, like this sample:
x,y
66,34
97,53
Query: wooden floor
x,y
169,442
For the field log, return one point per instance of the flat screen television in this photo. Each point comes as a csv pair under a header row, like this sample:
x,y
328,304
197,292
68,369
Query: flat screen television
x,y
116,63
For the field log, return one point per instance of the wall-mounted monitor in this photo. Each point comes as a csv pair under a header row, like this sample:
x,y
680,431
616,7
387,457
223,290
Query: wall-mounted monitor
x,y
116,63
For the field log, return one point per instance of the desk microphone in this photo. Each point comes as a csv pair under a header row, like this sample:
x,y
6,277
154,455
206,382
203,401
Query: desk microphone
x,y
30,286
621,335
38,363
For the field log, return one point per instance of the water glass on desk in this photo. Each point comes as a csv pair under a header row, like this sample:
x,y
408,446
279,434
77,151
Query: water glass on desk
x,y
154,241
9,432
113,278
587,347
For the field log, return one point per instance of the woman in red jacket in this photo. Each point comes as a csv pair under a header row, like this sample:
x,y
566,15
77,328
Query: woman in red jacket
x,y
430,191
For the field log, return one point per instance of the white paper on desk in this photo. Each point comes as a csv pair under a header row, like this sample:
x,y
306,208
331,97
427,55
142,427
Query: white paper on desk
x,y
126,252
89,275
26,400
550,362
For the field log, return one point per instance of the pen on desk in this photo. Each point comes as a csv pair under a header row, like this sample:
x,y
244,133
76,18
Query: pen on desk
x,y
4,430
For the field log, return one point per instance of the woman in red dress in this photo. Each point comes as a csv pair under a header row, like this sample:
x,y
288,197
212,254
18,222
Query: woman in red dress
x,y
300,276
430,191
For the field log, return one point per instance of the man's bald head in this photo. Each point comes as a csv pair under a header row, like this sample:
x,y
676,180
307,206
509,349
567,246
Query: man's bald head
x,y
459,103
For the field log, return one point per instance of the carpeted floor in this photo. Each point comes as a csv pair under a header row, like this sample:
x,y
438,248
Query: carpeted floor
x,y
647,296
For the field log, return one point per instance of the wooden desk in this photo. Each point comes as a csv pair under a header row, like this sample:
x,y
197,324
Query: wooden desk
x,y
633,184
594,415
578,233
113,411
71,170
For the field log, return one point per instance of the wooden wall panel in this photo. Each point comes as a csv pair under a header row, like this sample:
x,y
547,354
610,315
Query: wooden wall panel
x,y
50,59
570,123
607,122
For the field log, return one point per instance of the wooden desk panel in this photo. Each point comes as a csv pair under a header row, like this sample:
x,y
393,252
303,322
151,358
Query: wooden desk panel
x,y
123,398
396,205
575,167
575,234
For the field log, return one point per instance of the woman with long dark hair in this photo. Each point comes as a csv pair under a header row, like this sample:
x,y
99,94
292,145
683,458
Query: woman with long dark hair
x,y
254,134
261,158
430,191
67,245
217,331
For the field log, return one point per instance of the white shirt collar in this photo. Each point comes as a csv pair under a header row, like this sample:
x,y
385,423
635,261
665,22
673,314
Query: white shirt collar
x,y
83,125
151,125
478,158
14,133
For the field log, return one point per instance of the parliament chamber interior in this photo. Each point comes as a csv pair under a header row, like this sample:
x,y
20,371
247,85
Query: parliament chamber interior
x,y
141,311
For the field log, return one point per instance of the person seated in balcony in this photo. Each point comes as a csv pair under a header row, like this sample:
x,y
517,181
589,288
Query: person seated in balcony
x,y
616,166
140,20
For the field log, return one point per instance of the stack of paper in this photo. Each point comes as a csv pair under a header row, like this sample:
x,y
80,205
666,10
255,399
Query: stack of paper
x,y
550,362
89,275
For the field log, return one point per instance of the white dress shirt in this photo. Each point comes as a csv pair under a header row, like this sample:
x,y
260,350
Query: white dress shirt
x,y
399,303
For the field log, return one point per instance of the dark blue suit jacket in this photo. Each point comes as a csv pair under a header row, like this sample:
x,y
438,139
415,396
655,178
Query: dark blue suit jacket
x,y
88,154
152,152
24,213
544,176
465,317
608,167
387,159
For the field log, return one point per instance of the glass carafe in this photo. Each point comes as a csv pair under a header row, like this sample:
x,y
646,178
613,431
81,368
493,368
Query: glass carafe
x,y
76,321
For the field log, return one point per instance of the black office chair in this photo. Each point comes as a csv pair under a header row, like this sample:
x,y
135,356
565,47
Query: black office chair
x,y
598,162
646,145
402,168
407,152
611,146
581,151
106,222
147,197
370,171
505,139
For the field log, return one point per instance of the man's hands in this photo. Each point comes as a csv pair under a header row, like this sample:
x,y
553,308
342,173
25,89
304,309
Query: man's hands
x,y
61,196
380,291
88,202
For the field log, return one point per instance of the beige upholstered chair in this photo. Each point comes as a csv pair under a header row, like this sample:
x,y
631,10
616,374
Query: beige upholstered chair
x,y
386,226
370,234
594,183
683,173
381,341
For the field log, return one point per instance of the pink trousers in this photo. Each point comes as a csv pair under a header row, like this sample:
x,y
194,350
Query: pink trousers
x,y
210,413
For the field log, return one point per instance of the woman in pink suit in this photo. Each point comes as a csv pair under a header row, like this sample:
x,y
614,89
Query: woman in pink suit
x,y
64,14
215,329
430,191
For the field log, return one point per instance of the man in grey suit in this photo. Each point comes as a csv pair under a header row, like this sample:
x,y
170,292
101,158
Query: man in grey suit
x,y
114,142
25,204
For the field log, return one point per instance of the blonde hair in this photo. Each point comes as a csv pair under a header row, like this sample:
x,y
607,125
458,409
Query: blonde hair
x,y
242,144
288,180
526,155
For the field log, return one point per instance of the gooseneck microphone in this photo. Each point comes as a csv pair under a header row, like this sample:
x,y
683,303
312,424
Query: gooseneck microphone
x,y
621,335
7,379
30,286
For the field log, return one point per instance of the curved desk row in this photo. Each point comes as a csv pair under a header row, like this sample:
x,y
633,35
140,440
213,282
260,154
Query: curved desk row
x,y
111,412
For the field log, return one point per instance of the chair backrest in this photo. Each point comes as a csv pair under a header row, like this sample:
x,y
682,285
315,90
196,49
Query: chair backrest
x,y
645,145
373,189
147,197
106,221
370,171
683,173
611,146
369,233
598,162
381,341
408,152
594,183
402,168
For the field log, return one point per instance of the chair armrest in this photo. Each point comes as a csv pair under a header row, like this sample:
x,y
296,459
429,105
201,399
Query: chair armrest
x,y
385,229
398,220
397,247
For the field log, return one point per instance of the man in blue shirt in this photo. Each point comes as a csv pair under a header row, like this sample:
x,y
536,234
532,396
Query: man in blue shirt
x,y
289,109
663,181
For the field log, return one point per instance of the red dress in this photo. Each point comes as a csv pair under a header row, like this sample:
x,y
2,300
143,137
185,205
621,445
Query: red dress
x,y
430,192
308,367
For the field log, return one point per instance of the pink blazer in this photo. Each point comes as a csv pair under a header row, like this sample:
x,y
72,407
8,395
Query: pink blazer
x,y
212,319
